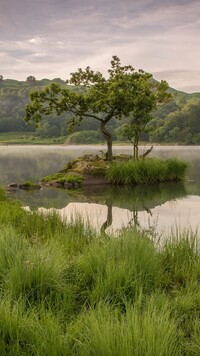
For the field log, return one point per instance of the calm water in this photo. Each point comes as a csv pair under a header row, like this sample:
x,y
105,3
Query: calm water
x,y
161,207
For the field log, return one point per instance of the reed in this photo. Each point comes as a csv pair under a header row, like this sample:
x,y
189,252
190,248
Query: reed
x,y
146,171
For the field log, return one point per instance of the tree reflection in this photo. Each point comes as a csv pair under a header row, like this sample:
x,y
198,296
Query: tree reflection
x,y
125,200
109,218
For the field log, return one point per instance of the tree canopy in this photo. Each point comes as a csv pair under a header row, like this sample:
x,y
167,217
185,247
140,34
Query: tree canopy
x,y
31,80
124,93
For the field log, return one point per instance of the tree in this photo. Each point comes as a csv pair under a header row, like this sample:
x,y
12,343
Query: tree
x,y
1,78
132,131
31,80
149,95
92,95
180,126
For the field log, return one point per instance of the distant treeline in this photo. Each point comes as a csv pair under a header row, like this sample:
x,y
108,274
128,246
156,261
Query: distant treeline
x,y
177,121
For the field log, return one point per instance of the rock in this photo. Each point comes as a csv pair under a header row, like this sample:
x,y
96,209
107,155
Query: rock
x,y
90,180
56,184
13,185
29,187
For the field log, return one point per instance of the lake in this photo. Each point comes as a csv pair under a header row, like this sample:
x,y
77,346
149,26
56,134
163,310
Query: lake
x,y
158,208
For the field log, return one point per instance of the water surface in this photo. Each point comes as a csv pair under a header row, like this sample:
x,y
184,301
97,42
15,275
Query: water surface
x,y
160,207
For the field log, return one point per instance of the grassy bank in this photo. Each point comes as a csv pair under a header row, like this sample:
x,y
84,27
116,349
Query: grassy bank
x,y
147,171
66,291
29,138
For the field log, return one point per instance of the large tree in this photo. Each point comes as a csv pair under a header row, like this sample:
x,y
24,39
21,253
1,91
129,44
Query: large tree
x,y
90,94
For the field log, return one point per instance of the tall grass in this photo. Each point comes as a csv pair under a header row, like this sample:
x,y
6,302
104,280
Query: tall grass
x,y
118,270
65,291
146,171
105,331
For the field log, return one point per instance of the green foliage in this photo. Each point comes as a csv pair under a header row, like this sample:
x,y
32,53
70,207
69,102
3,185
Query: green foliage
x,y
63,177
146,171
66,292
2,194
84,137
28,138
55,177
118,271
14,95
74,179
126,92
151,331
29,184
182,126
176,121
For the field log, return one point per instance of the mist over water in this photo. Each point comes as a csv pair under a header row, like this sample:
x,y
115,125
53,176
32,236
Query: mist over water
x,y
159,207
18,163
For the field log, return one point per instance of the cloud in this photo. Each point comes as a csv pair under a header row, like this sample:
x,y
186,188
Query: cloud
x,y
186,80
54,37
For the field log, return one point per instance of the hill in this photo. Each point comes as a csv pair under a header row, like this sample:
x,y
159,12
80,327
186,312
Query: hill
x,y
177,121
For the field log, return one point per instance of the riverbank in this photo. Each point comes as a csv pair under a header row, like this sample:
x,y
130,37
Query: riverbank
x,y
65,290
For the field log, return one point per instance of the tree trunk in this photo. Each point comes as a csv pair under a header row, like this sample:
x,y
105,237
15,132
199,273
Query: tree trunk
x,y
135,150
135,147
147,152
108,137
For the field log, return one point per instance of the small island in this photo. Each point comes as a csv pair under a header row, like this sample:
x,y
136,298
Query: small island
x,y
123,170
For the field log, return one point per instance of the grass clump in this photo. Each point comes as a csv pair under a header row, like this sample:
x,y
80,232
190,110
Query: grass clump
x,y
139,331
53,177
29,185
147,171
119,270
62,178
66,291
74,179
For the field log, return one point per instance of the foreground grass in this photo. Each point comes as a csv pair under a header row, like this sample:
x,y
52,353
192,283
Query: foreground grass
x,y
66,291
147,171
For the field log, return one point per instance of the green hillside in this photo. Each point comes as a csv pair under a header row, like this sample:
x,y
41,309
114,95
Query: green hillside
x,y
177,121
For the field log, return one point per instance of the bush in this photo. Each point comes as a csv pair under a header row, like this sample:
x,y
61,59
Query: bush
x,y
85,137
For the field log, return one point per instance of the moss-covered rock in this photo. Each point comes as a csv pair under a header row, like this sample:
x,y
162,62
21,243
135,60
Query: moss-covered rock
x,y
85,170
29,185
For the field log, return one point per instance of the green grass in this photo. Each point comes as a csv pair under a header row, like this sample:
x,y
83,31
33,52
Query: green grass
x,y
66,291
138,331
29,138
146,171
72,179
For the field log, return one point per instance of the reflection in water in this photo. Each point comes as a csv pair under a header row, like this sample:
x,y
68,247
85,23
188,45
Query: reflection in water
x,y
18,163
33,162
109,219
108,208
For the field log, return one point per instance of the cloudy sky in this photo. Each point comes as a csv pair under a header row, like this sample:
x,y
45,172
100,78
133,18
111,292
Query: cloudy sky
x,y
52,38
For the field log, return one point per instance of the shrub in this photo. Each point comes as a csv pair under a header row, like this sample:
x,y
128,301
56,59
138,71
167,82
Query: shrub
x,y
84,137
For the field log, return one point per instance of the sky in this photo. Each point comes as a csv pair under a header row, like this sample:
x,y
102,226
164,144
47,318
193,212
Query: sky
x,y
52,38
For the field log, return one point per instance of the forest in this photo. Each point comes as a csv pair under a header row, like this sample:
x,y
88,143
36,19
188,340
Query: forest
x,y
177,121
